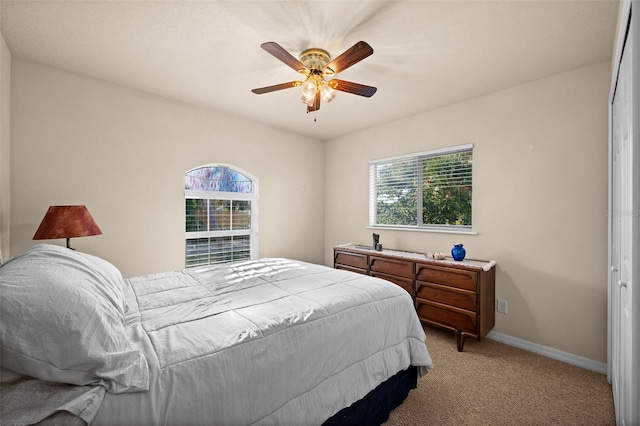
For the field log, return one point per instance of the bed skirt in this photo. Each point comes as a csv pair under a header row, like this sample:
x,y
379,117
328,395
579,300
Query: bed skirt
x,y
375,407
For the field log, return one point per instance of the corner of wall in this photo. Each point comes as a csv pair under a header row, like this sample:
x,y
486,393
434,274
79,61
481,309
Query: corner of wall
x,y
5,147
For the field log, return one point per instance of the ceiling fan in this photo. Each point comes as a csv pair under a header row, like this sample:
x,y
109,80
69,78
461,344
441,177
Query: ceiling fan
x,y
316,65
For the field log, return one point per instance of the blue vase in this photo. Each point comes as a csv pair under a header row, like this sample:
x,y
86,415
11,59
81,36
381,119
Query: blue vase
x,y
458,252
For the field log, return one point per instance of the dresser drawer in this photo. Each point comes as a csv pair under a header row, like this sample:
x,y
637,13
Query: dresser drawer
x,y
354,260
352,269
405,283
447,295
399,268
453,317
464,279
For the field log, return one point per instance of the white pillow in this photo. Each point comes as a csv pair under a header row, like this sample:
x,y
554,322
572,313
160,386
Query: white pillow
x,y
113,283
62,320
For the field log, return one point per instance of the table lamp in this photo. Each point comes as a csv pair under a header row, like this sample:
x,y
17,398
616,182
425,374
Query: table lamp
x,y
66,222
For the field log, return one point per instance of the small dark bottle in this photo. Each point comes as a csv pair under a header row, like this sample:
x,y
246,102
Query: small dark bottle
x,y
376,242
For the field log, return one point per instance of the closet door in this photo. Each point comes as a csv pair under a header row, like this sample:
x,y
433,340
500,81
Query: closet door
x,y
624,249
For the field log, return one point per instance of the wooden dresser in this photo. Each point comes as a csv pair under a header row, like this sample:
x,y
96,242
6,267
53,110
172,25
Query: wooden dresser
x,y
455,295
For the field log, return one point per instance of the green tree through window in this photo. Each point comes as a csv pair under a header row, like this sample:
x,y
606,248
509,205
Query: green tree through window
x,y
431,190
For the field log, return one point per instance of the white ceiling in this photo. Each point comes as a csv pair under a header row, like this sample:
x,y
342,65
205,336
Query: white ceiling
x,y
427,54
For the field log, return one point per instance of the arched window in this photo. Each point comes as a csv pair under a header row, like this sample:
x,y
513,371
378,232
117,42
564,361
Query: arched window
x,y
221,215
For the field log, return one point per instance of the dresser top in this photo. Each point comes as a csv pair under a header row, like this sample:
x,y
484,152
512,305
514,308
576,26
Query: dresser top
x,y
421,257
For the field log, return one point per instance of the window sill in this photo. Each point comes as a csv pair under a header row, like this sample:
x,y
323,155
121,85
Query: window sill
x,y
418,229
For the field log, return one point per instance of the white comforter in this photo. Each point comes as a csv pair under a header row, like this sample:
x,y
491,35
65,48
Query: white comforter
x,y
273,341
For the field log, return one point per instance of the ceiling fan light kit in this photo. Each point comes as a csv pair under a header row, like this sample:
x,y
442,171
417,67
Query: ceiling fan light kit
x,y
316,65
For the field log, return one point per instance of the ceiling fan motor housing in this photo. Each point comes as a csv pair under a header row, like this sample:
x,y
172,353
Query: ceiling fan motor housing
x,y
315,60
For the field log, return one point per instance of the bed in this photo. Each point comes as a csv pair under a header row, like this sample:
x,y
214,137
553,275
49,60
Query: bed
x,y
267,341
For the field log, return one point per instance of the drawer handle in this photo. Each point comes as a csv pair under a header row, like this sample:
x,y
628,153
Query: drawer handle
x,y
622,284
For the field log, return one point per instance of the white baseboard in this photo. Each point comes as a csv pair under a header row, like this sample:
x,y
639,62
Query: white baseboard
x,y
572,359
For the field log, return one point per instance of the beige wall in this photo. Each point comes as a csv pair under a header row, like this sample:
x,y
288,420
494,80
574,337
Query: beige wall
x,y
123,153
5,146
540,190
540,197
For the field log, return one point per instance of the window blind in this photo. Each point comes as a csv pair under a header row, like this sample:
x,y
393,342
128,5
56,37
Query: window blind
x,y
221,215
427,189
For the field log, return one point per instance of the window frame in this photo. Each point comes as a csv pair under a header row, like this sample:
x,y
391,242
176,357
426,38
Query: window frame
x,y
252,196
453,229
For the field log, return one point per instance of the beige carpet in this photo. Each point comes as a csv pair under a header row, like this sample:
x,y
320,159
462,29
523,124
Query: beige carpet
x,y
491,383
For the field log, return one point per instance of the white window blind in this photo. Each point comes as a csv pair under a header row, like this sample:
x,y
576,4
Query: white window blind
x,y
221,215
424,190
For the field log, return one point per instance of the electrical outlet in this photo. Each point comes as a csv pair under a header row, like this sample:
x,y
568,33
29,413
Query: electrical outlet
x,y
502,306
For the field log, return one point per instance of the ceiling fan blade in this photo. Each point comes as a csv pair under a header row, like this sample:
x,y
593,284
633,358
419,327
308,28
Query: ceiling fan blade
x,y
316,104
355,88
278,51
351,56
273,88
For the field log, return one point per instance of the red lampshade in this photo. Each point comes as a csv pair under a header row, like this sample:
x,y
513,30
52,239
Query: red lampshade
x,y
66,222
